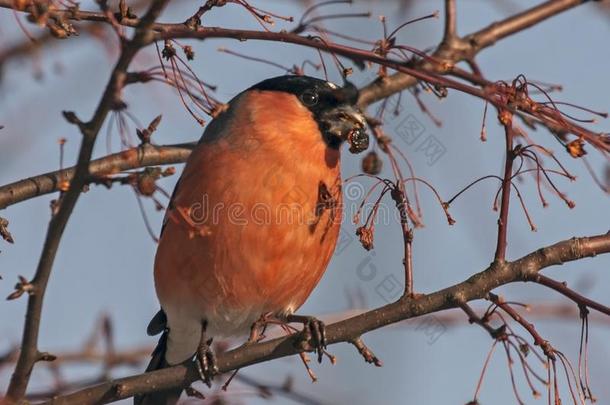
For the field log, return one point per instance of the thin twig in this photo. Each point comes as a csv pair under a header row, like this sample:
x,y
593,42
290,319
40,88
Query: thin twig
x,y
507,121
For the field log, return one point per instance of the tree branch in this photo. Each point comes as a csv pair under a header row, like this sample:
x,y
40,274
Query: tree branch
x,y
457,50
507,182
142,156
563,289
450,32
519,22
47,183
476,287
466,48
30,354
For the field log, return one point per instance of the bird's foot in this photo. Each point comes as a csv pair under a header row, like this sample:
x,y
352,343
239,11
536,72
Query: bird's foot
x,y
206,359
313,334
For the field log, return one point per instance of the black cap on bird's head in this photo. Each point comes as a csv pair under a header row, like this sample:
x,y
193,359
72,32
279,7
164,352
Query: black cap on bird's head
x,y
334,108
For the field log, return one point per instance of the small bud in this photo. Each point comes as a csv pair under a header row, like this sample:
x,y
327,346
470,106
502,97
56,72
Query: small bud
x,y
21,287
123,10
366,237
146,185
170,171
57,31
47,357
188,52
524,349
168,51
576,148
71,117
63,185
372,164
505,117
145,134
6,235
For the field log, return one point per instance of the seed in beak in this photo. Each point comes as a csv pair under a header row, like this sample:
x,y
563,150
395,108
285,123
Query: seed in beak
x,y
358,140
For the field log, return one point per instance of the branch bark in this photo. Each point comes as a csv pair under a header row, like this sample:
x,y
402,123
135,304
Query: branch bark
x,y
519,22
475,287
450,32
142,156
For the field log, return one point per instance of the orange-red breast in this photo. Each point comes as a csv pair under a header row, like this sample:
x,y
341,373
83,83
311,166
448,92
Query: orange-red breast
x,y
255,216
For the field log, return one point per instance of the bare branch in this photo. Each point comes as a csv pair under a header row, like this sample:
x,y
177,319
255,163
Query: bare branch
x,y
450,32
30,353
438,70
563,289
142,156
506,119
470,45
476,287
519,22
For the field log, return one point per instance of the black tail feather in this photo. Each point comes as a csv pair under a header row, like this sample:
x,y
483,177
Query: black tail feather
x,y
157,362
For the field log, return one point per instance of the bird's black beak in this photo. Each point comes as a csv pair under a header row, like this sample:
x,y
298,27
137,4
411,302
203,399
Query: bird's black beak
x,y
346,123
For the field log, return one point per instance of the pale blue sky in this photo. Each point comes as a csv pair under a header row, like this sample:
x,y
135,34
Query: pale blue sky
x,y
105,261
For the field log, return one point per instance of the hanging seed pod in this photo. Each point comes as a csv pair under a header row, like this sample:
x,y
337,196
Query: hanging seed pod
x,y
372,163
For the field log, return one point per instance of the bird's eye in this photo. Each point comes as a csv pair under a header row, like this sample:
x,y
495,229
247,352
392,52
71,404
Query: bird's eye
x,y
309,98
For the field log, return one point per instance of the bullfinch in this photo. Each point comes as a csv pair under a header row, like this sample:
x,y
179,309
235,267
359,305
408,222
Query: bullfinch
x,y
254,218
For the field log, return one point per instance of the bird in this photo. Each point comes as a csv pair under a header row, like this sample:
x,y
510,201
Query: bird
x,y
254,218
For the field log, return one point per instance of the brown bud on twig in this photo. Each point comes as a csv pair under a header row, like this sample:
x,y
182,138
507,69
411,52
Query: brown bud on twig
x,y
145,134
372,164
46,357
123,10
4,232
146,183
576,148
21,287
188,52
366,237
71,117
505,117
58,31
168,51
